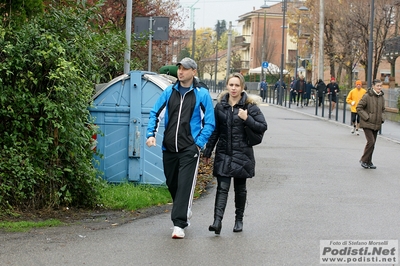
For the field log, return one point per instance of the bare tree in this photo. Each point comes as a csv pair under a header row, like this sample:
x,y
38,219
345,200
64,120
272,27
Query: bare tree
x,y
347,42
384,28
346,32
204,51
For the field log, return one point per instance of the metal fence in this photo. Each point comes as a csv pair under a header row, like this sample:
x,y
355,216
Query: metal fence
x,y
391,95
252,87
220,86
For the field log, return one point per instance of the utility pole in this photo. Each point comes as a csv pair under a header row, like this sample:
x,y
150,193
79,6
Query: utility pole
x,y
228,56
192,23
128,30
264,6
218,30
193,41
281,91
321,40
370,45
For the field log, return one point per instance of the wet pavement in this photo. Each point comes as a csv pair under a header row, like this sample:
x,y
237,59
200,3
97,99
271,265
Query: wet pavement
x,y
309,186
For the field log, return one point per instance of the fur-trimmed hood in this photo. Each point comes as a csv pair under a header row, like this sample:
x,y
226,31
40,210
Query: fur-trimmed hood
x,y
234,156
248,98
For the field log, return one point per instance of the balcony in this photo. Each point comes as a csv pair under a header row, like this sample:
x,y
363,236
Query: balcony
x,y
245,65
243,40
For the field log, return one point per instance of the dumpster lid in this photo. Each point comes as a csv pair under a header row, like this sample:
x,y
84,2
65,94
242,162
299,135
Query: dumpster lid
x,y
161,80
100,88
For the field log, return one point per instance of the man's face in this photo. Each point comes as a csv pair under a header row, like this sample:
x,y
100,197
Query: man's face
x,y
378,87
185,74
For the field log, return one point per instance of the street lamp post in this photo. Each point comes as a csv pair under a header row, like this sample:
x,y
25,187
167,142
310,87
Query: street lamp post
x,y
228,57
128,26
297,51
193,41
216,57
216,66
264,6
370,45
321,40
280,95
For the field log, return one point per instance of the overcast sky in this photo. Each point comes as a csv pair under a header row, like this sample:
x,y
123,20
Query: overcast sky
x,y
207,12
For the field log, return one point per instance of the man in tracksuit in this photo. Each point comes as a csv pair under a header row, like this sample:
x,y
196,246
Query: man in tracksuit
x,y
188,114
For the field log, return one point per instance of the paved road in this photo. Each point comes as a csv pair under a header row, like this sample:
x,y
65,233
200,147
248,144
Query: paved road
x,y
390,130
308,187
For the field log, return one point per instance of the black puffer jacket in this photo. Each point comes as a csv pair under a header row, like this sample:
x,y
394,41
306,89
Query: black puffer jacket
x,y
321,88
233,156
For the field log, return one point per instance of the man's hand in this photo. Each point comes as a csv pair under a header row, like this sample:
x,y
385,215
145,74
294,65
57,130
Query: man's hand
x,y
151,141
206,160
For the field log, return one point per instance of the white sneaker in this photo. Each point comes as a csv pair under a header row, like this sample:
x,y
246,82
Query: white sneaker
x,y
178,233
352,130
357,133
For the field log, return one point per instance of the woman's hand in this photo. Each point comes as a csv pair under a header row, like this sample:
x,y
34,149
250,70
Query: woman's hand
x,y
242,114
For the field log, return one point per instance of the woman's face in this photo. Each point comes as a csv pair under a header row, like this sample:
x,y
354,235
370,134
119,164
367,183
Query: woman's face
x,y
234,87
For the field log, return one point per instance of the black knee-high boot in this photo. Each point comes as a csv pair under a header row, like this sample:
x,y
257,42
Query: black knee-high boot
x,y
240,202
220,203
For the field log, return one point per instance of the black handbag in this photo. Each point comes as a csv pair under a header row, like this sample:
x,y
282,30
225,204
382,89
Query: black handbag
x,y
253,138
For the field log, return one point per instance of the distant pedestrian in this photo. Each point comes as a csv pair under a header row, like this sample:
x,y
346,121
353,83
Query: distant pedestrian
x,y
307,94
386,79
333,89
263,89
300,88
353,98
280,87
371,109
189,120
234,157
292,91
321,90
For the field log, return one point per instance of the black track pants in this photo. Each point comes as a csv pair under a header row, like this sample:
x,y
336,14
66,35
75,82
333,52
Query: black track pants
x,y
180,169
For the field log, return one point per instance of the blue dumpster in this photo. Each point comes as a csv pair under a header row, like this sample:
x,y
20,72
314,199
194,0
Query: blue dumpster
x,y
121,110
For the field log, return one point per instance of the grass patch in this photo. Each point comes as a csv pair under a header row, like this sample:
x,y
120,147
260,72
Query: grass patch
x,y
128,196
125,196
24,226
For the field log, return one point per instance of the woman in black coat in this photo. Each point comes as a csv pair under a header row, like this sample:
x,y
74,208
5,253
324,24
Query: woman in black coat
x,y
321,90
234,157
307,95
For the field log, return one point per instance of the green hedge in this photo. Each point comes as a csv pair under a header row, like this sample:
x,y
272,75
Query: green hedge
x,y
48,68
